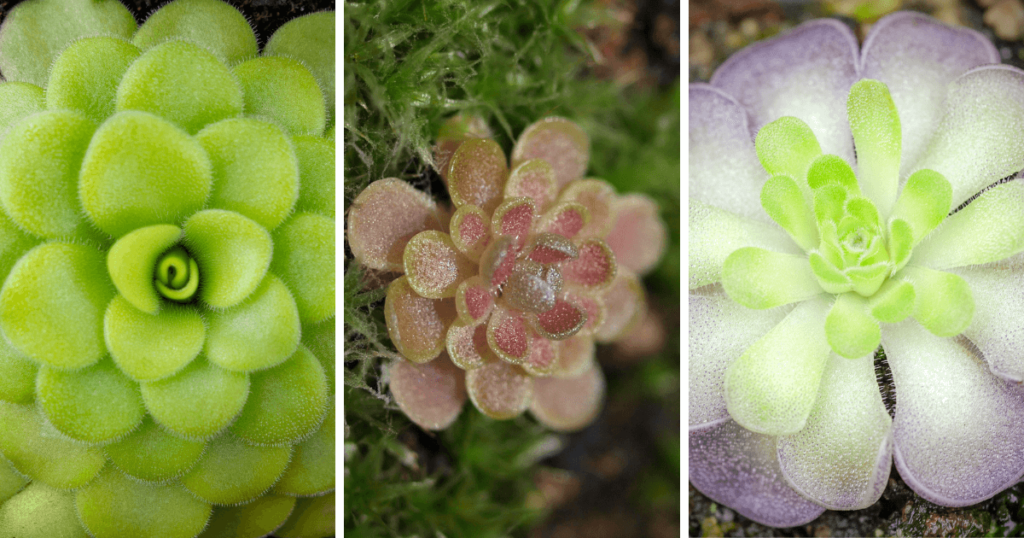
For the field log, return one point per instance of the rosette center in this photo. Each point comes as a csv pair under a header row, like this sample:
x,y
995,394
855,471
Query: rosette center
x,y
177,275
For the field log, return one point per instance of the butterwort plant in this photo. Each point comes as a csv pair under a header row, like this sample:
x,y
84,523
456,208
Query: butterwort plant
x,y
167,256
843,201
502,298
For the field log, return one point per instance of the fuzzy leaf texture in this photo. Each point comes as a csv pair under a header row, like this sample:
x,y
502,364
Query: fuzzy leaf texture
x,y
166,253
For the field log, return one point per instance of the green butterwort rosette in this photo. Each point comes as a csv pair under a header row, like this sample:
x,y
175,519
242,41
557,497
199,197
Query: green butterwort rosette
x,y
870,252
167,260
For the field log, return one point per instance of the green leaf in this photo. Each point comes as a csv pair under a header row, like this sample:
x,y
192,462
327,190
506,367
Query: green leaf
x,y
715,233
40,159
258,518
893,302
830,278
95,404
204,90
213,25
785,204
832,170
772,387
284,91
132,264
924,202
52,305
829,205
37,451
234,472
990,228
40,511
233,254
150,453
758,278
36,32
286,403
260,332
142,170
877,137
316,175
851,331
310,40
901,243
19,100
197,402
86,75
863,210
787,146
147,347
255,171
304,259
868,278
143,509
944,304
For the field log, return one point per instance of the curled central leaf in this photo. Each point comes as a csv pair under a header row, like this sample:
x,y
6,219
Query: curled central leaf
x,y
177,275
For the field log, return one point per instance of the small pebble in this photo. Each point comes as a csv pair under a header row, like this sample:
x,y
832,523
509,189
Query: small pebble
x,y
1006,19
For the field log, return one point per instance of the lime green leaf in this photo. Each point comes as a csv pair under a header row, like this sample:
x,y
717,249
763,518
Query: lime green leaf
x,y
893,302
924,202
19,100
312,517
772,387
830,278
829,205
851,331
304,259
311,471
36,32
17,375
41,453
86,75
132,264
151,454
758,278
40,511
211,24
878,139
990,228
233,254
258,333
40,159
716,233
142,170
255,172
283,91
787,146
944,304
832,170
901,242
143,510
863,210
310,40
258,518
52,305
95,404
148,347
197,402
233,472
204,90
316,175
867,279
785,204
286,403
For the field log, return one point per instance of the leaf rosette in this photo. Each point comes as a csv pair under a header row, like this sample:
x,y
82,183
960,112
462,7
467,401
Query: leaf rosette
x,y
503,299
168,273
844,201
